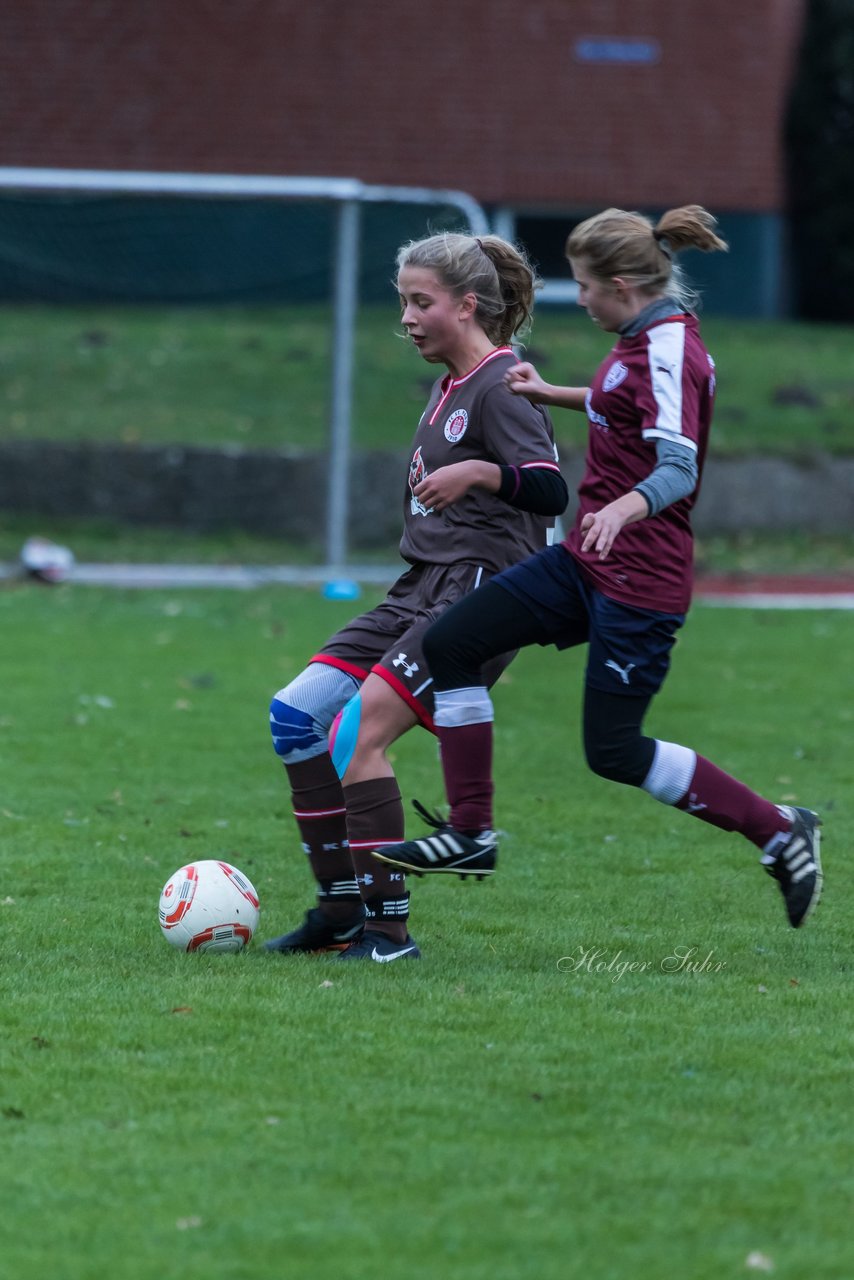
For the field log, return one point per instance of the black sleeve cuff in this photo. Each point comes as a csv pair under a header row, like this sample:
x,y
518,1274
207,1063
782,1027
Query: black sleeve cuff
x,y
536,489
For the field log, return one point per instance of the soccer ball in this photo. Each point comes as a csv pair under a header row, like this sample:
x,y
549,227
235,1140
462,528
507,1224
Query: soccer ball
x,y
208,906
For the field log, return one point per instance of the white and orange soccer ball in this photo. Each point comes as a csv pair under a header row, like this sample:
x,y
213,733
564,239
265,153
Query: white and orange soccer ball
x,y
209,906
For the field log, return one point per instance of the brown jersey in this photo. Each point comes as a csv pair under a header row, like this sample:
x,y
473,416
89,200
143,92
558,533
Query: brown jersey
x,y
477,417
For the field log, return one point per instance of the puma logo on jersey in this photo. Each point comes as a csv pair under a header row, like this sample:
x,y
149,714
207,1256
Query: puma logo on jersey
x,y
622,672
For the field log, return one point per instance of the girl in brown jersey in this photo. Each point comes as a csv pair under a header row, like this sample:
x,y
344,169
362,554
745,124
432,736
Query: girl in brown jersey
x,y
482,488
621,582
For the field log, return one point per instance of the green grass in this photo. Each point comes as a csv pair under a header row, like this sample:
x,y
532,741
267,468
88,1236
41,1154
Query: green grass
x,y
779,553
260,377
486,1114
110,542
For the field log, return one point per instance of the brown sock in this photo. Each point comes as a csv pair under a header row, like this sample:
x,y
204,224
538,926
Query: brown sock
x,y
318,801
375,818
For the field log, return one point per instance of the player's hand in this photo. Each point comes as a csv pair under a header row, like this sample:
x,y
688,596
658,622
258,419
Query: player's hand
x,y
445,486
523,380
600,528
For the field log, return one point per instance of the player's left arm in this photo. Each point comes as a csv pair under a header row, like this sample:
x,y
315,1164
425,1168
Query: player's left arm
x,y
673,477
518,438
524,473
670,412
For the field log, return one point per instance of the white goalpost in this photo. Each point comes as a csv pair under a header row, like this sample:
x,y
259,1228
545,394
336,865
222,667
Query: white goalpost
x,y
349,196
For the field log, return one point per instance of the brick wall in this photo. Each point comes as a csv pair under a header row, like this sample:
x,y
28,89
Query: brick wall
x,y
489,97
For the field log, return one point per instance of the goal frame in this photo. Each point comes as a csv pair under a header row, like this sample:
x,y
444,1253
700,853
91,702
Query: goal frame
x,y
349,195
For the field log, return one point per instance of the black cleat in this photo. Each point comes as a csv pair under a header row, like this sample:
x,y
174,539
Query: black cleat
x,y
797,867
462,853
318,933
381,948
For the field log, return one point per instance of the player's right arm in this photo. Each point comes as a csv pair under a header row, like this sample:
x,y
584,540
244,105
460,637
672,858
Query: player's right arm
x,y
524,380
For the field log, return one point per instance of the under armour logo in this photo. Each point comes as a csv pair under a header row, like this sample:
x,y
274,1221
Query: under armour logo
x,y
366,879
622,672
694,804
409,668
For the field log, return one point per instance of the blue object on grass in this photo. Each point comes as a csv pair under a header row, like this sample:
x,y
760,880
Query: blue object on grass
x,y
342,589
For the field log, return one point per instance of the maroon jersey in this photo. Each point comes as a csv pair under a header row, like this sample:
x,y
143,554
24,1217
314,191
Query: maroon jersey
x,y
476,416
658,384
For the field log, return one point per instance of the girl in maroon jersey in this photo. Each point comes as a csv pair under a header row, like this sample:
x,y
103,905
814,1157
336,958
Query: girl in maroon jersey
x,y
482,489
621,582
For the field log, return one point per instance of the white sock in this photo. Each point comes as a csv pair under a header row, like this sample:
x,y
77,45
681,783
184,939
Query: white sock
x,y
672,770
456,707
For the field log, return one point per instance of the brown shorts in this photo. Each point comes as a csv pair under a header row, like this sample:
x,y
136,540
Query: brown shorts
x,y
387,639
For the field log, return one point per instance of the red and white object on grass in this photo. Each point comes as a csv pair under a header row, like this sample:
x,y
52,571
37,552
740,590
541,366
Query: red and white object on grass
x,y
46,561
209,906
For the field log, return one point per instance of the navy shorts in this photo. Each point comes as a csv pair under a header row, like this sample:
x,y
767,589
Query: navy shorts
x,y
629,648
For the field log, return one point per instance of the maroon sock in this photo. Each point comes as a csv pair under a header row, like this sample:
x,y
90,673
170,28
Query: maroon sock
x,y
375,818
318,800
715,797
467,766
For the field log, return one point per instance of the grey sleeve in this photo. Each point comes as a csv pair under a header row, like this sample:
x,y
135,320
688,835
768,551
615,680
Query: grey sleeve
x,y
674,476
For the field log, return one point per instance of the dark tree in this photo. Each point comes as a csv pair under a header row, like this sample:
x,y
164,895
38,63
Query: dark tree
x,y
820,164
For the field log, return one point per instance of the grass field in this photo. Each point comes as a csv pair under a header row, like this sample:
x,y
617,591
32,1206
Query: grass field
x,y
553,1092
105,541
259,377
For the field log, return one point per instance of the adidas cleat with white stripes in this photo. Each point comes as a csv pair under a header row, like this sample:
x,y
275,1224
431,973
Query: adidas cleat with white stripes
x,y
797,867
448,850
462,853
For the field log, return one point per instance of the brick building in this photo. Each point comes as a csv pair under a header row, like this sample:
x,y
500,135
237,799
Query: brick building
x,y
543,110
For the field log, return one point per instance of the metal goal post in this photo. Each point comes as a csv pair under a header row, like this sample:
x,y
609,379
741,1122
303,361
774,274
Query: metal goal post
x,y
349,195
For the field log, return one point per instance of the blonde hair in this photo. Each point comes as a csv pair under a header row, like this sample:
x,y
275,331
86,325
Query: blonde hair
x,y
617,243
495,271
